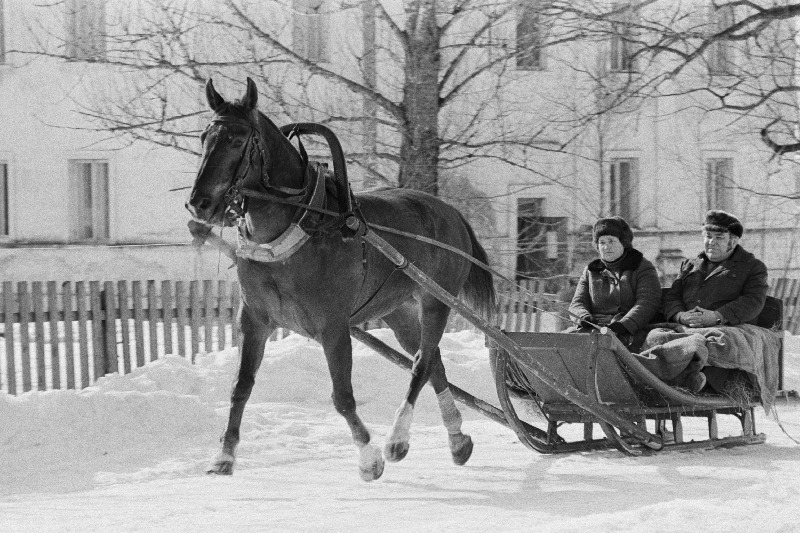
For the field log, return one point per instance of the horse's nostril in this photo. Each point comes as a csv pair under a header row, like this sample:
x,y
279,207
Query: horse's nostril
x,y
199,203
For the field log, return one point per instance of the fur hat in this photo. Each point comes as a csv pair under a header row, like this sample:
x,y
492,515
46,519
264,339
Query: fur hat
x,y
721,221
614,226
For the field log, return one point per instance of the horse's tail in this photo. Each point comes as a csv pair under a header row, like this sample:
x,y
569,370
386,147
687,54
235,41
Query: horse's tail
x,y
478,290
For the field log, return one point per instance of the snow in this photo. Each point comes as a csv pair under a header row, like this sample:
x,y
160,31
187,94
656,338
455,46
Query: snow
x,y
129,454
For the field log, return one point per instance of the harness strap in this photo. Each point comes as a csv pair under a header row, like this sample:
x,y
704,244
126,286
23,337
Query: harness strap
x,y
288,201
466,256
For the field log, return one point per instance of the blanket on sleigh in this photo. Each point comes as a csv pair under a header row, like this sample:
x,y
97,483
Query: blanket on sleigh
x,y
669,350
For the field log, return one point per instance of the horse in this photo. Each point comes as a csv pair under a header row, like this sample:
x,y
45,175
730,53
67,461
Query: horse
x,y
321,286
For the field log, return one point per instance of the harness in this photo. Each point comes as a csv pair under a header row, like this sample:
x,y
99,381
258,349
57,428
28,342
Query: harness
x,y
310,199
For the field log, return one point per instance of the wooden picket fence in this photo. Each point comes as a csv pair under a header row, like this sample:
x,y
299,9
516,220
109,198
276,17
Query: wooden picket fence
x,y
67,335
523,305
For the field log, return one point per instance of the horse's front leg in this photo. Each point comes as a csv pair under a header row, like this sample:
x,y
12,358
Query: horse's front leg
x,y
253,335
339,355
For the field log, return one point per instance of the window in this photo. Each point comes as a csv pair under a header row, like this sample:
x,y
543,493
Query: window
x,y
720,52
86,26
530,37
2,32
621,50
3,199
310,30
623,189
719,183
541,240
88,199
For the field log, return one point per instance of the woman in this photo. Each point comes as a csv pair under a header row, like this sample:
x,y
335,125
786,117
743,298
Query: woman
x,y
620,289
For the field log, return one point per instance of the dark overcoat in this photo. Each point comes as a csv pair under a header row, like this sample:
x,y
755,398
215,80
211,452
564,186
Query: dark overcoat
x,y
631,297
736,288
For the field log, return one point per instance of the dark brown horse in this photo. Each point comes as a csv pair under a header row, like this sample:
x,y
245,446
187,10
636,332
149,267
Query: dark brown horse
x,y
322,286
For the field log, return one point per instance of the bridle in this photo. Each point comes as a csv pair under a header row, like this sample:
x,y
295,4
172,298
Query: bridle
x,y
236,196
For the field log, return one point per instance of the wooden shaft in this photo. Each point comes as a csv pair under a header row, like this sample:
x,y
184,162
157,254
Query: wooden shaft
x,y
405,363
569,392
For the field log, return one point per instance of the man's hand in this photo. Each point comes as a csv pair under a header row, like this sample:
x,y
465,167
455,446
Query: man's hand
x,y
699,318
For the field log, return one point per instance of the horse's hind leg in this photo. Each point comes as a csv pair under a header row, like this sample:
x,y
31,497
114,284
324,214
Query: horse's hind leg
x,y
460,443
253,336
339,355
428,365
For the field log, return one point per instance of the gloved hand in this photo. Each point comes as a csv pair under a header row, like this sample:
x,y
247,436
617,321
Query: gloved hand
x,y
618,329
587,322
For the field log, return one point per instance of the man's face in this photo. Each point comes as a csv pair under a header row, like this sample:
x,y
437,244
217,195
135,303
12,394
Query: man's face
x,y
718,244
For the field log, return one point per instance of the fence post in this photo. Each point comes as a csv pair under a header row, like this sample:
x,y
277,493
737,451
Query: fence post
x,y
104,336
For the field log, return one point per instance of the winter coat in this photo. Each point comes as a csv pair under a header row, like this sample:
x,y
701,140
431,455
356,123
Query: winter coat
x,y
631,297
736,288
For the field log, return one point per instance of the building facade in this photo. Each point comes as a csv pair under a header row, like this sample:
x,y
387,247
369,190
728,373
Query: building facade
x,y
83,204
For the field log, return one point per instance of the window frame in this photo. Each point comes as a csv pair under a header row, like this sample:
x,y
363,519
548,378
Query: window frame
x,y
528,18
309,18
720,54
615,201
5,203
78,206
548,255
2,32
719,194
85,30
621,53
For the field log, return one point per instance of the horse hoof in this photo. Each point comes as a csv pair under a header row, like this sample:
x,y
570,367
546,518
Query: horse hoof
x,y
395,451
370,464
221,465
460,448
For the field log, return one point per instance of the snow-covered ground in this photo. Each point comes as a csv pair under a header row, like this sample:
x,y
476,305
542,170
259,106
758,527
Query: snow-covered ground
x,y
129,455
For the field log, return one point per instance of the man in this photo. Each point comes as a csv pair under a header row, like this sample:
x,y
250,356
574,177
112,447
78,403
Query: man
x,y
724,285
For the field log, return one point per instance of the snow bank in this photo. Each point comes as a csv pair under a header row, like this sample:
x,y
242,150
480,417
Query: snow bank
x,y
172,410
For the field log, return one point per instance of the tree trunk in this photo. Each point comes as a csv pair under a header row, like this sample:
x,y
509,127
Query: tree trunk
x,y
419,149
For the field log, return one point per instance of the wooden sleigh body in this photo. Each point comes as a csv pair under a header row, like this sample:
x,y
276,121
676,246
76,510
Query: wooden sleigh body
x,y
600,367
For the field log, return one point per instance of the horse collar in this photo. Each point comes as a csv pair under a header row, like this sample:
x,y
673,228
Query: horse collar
x,y
278,250
291,239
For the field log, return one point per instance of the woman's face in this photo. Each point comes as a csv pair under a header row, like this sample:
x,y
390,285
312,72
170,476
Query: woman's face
x,y
610,248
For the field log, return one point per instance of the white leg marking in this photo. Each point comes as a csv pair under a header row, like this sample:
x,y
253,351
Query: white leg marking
x,y
401,429
370,462
450,413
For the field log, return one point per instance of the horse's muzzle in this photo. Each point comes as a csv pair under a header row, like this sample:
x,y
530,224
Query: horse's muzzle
x,y
202,209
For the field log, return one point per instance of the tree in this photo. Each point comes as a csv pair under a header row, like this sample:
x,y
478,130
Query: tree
x,y
420,89
410,104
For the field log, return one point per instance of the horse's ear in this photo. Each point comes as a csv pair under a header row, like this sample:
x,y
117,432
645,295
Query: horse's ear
x,y
251,95
213,97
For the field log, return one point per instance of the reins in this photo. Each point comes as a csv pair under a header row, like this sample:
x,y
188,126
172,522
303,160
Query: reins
x,y
236,195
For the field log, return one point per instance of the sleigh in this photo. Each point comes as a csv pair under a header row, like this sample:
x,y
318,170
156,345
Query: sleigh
x,y
599,366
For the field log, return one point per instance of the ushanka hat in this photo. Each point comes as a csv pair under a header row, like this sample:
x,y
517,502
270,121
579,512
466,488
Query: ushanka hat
x,y
614,226
721,221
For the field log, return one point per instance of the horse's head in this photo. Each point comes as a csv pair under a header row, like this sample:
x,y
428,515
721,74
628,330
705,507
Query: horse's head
x,y
226,161
241,149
